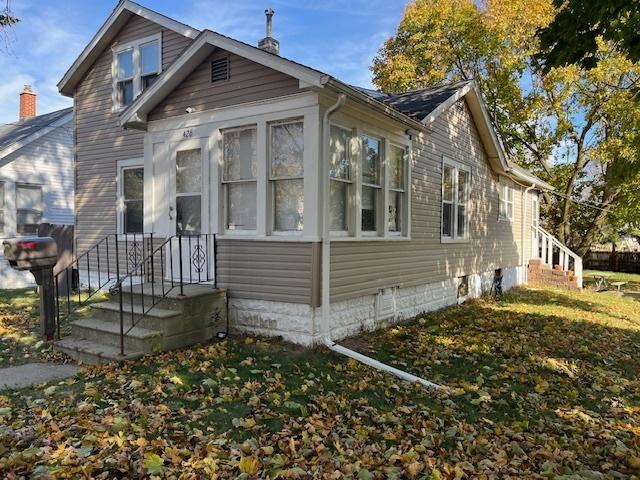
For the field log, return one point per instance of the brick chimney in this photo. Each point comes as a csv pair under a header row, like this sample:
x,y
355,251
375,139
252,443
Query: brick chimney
x,y
27,103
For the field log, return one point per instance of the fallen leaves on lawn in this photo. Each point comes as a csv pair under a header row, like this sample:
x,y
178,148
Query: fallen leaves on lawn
x,y
544,385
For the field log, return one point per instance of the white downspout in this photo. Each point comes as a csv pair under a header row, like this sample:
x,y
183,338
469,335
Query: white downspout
x,y
326,264
523,221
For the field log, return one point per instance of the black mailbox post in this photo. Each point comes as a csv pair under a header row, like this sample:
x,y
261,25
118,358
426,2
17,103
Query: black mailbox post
x,y
38,255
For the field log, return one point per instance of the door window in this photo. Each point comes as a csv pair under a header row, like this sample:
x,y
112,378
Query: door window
x,y
189,192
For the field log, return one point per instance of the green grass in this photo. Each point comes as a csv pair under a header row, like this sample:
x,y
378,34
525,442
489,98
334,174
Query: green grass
x,y
544,384
632,279
20,339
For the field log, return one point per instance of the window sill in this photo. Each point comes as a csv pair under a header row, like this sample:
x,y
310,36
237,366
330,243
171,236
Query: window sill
x,y
392,238
505,219
446,240
268,238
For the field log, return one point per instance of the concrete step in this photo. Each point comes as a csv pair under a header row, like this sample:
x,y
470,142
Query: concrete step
x,y
110,310
108,333
170,295
93,353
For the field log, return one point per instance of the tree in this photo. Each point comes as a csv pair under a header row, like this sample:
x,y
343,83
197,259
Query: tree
x,y
571,38
572,127
7,19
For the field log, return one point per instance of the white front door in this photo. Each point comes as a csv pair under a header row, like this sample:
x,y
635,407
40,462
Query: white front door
x,y
191,258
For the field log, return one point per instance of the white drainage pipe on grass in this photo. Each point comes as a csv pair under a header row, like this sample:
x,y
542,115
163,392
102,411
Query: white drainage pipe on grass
x,y
326,263
382,366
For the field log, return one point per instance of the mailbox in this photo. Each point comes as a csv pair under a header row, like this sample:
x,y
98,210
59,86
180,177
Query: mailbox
x,y
31,253
39,255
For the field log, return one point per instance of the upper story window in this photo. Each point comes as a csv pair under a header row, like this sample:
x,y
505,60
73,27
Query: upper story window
x,y
371,184
455,197
340,178
136,67
506,202
29,205
286,175
239,177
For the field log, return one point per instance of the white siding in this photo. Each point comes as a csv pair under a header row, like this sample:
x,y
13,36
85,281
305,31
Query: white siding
x,y
48,161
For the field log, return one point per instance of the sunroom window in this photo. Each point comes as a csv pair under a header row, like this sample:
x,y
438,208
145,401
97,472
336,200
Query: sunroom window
x,y
371,184
136,67
287,175
397,188
455,199
239,177
340,178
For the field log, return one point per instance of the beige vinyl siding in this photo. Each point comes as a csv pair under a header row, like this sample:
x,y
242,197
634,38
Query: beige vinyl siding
x,y
101,142
363,267
248,82
268,270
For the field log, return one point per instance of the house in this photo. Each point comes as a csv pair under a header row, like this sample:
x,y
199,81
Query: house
x,y
376,206
36,176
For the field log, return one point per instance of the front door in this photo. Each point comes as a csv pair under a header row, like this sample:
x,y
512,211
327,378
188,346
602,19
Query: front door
x,y
192,247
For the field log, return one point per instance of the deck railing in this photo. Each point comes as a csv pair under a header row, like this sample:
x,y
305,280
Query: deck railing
x,y
553,252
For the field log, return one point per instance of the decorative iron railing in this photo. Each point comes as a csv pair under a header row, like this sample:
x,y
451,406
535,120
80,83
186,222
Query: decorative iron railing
x,y
179,261
96,269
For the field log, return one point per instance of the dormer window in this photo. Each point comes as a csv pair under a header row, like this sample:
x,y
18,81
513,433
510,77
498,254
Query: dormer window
x,y
136,65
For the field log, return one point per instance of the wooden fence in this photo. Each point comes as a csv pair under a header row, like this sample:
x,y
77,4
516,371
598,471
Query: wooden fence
x,y
627,262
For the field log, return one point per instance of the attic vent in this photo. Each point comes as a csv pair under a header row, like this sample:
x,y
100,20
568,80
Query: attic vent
x,y
220,70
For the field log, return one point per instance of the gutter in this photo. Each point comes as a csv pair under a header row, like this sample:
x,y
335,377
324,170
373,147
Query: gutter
x,y
326,264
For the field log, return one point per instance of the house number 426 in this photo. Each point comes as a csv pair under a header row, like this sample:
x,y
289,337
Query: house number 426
x,y
187,133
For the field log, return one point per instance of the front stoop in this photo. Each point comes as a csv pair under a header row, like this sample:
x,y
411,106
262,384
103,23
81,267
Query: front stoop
x,y
176,321
542,274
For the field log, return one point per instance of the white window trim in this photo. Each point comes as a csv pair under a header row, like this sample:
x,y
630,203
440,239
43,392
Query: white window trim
x,y
456,166
504,199
121,166
405,192
137,74
42,192
350,183
271,229
224,184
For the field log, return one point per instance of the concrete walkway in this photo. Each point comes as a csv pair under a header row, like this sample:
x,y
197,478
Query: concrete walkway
x,y
31,374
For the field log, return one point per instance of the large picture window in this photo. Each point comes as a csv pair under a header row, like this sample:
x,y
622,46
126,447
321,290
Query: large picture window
x,y
340,178
371,182
397,188
455,198
287,175
239,177
29,207
136,67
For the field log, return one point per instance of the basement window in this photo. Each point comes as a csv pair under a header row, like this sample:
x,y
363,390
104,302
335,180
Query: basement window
x,y
220,70
463,287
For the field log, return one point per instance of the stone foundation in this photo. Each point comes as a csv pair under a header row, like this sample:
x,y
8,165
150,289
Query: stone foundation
x,y
301,324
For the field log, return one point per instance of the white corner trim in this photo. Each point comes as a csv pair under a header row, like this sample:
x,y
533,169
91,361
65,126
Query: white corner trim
x,y
88,55
33,137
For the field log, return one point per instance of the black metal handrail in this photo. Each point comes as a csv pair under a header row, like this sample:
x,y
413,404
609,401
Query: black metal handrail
x,y
199,261
99,259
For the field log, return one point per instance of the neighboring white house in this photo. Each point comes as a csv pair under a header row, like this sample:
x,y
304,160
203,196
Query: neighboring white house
x,y
36,176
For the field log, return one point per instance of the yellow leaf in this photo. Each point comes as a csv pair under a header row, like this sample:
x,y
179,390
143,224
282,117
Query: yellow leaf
x,y
249,465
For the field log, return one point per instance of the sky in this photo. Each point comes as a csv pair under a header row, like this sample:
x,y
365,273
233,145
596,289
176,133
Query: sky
x,y
338,37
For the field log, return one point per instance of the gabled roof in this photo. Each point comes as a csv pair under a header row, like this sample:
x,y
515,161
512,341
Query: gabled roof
x,y
416,109
105,35
14,136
